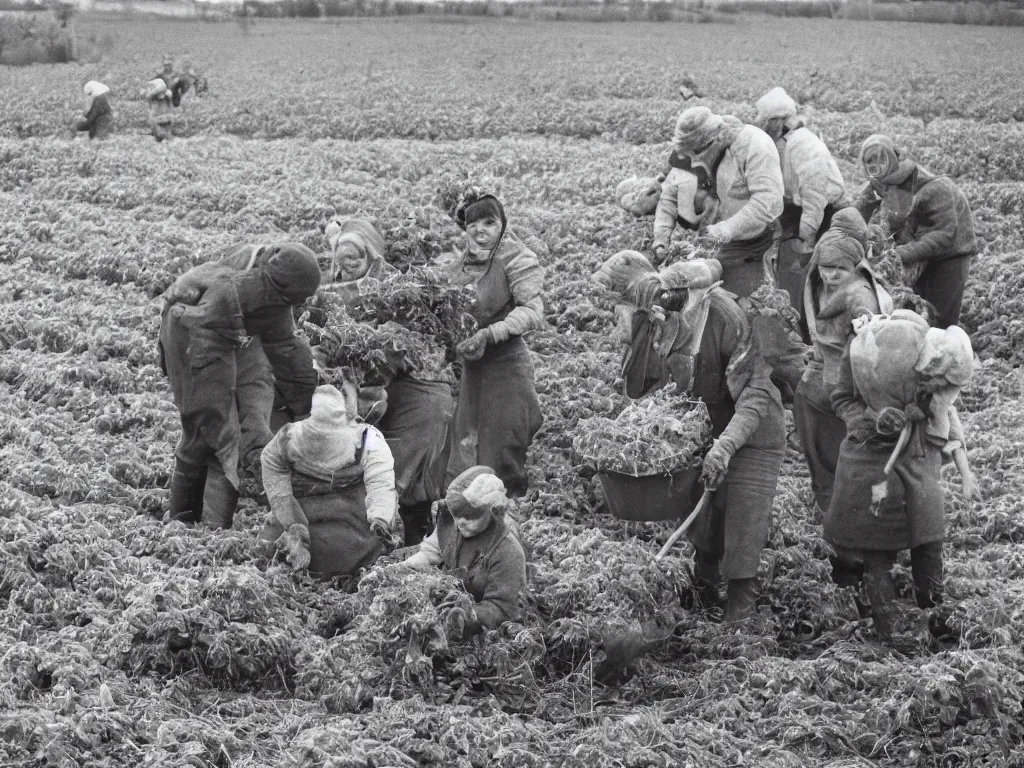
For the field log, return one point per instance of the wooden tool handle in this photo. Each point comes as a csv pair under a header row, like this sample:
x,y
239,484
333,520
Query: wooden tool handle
x,y
685,525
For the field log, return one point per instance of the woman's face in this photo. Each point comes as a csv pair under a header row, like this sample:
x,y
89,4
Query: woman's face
x,y
470,527
352,263
483,234
832,277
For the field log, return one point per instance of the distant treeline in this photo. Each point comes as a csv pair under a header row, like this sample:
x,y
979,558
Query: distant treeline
x,y
998,12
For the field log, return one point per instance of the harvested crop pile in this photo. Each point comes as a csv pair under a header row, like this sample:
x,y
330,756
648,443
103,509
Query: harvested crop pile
x,y
660,434
404,323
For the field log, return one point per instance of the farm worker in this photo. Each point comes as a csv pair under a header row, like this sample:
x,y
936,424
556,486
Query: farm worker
x,y
161,116
684,200
840,288
929,219
177,84
813,187
742,166
227,340
330,482
896,374
497,412
357,252
415,413
472,533
98,119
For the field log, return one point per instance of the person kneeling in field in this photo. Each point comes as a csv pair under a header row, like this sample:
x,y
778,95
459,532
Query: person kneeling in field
x,y
472,532
330,482
897,383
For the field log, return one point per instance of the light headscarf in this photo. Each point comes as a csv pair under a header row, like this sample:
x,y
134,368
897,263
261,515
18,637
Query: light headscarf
x,y
879,149
476,492
703,136
330,435
95,88
774,104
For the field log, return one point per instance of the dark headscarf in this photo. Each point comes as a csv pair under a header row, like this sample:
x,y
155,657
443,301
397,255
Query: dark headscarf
x,y
844,244
880,147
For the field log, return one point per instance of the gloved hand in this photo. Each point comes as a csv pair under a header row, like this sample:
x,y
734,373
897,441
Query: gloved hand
x,y
386,534
371,404
890,422
860,428
658,251
295,543
715,465
473,626
473,347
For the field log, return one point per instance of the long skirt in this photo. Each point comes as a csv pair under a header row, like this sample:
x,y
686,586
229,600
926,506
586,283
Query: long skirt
x,y
821,435
340,539
497,415
911,513
417,427
735,525
943,283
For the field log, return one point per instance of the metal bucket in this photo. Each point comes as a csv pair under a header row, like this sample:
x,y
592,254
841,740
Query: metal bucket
x,y
650,497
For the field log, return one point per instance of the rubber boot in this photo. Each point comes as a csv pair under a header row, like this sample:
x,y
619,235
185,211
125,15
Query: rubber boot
x,y
705,580
740,599
416,518
186,496
220,499
881,591
926,567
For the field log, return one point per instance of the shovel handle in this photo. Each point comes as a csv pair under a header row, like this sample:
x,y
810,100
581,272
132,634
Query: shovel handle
x,y
901,443
685,525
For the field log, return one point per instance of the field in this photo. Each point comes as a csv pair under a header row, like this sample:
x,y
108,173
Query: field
x,y
126,641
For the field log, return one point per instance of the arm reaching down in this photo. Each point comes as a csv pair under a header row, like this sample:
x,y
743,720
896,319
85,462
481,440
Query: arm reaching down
x,y
379,479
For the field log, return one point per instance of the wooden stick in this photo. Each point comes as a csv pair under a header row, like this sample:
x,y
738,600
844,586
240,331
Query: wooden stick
x,y
900,445
685,525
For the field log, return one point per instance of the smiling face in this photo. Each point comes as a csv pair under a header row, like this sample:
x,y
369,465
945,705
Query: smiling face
x,y
352,262
483,234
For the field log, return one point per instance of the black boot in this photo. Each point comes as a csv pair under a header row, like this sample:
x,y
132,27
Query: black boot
x,y
926,567
220,499
741,597
705,578
881,591
186,498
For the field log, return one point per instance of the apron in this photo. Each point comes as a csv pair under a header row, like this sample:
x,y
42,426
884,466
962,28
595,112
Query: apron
x,y
417,427
483,434
821,433
912,513
340,539
743,268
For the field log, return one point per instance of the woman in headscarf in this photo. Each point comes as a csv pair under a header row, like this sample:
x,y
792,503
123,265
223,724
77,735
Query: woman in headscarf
x,y
357,253
98,119
330,482
417,414
743,172
498,412
929,219
840,288
472,533
703,342
813,187
896,377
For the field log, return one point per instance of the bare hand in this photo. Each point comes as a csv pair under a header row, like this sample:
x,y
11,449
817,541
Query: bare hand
x,y
473,347
969,488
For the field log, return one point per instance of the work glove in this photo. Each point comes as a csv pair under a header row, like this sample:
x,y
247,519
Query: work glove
x,y
658,253
860,429
891,421
473,347
386,534
295,543
372,404
715,465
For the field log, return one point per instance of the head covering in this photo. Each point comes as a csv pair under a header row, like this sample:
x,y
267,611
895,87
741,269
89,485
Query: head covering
x,y
774,104
947,353
844,245
292,269
619,271
691,275
703,136
359,232
484,207
475,493
878,149
328,438
95,88
330,408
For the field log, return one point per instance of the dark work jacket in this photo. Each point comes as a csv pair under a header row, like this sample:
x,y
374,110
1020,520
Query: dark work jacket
x,y
494,563
99,120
